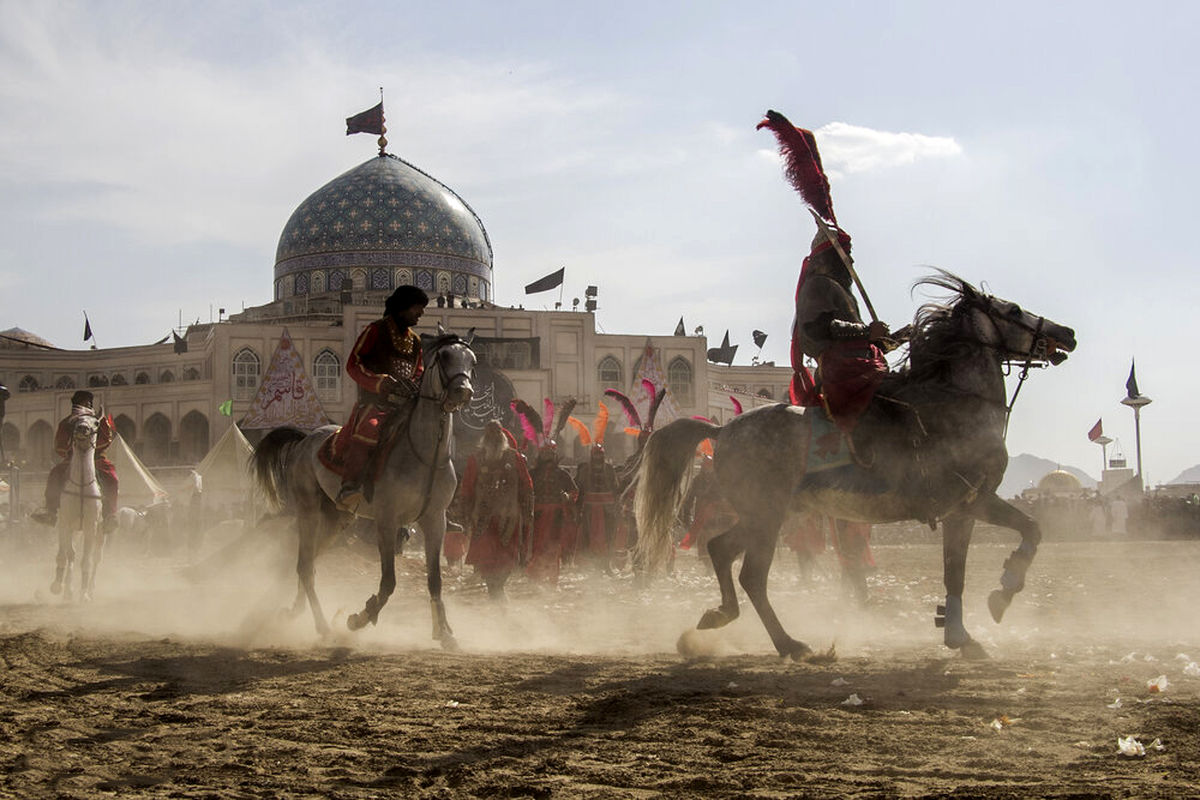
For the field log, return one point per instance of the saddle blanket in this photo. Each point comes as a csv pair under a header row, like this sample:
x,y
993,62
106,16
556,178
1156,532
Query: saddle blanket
x,y
827,447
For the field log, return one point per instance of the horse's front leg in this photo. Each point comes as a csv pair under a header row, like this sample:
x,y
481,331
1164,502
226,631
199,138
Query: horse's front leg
x,y
434,529
956,540
998,512
90,558
63,560
385,538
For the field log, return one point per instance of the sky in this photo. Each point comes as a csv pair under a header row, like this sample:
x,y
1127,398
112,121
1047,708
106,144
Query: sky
x,y
150,154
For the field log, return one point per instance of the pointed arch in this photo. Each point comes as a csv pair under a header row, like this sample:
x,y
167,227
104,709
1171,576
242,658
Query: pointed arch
x,y
246,368
41,445
156,440
679,378
327,376
193,437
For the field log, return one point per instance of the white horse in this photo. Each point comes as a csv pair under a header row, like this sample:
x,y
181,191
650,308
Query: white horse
x,y
80,511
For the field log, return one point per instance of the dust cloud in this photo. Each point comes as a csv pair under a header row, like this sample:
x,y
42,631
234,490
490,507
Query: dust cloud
x,y
235,587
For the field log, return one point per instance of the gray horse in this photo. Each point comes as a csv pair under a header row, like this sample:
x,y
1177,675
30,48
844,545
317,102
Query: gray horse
x,y
930,448
415,484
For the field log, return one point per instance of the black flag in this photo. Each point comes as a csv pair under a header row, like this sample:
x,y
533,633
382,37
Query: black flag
x,y
679,329
760,338
87,327
180,343
369,121
1131,384
551,281
723,354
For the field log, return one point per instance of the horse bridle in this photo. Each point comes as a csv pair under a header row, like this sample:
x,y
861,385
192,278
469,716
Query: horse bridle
x,y
1037,356
446,380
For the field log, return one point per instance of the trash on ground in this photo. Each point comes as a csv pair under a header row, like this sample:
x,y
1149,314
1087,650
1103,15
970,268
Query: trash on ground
x,y
1159,684
1129,746
853,700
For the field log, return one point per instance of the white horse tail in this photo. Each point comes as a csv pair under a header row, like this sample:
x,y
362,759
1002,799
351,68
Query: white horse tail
x,y
269,462
662,482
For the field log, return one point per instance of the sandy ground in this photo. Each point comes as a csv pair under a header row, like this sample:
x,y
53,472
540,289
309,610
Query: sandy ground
x,y
190,683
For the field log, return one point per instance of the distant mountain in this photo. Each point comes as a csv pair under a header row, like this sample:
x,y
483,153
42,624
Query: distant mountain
x,y
1025,470
1189,475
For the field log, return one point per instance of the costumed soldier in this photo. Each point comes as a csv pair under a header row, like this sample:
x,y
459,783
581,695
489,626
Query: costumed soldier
x,y
496,498
554,490
710,514
106,473
828,326
597,482
386,364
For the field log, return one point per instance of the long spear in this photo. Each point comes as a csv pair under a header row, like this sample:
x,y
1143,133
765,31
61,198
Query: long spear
x,y
837,246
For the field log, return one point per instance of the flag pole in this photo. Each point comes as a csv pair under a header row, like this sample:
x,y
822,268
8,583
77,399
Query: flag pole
x,y
382,126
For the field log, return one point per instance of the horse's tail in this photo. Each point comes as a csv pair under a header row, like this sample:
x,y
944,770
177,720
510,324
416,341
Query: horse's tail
x,y
269,461
661,482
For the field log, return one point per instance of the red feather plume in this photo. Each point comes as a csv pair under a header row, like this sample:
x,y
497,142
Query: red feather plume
x,y
737,405
631,412
547,416
531,422
802,163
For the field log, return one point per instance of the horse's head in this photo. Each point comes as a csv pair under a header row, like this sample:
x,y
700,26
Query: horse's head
x,y
449,370
1001,325
83,430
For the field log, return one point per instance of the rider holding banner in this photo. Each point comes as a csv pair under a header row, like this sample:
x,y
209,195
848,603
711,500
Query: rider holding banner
x,y
385,361
828,326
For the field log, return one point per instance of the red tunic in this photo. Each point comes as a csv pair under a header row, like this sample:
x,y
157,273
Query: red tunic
x,y
106,471
383,349
553,491
497,501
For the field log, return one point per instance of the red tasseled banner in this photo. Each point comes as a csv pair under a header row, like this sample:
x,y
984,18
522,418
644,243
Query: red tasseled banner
x,y
802,163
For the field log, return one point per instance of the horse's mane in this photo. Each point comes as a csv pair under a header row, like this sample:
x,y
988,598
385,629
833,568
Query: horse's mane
x,y
935,337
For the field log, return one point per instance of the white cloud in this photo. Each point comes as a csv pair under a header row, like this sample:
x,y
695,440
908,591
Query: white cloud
x,y
851,148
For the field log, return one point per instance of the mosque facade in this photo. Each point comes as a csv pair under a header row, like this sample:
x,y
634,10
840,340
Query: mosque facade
x,y
377,226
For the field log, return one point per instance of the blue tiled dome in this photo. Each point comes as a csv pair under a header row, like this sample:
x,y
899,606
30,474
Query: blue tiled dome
x,y
379,225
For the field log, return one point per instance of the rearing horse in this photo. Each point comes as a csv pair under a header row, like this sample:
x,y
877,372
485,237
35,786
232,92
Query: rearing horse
x,y
80,511
930,448
415,484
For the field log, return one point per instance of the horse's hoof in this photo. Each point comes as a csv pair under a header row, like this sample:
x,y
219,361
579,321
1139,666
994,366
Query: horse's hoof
x,y
973,651
356,622
715,618
450,644
798,651
998,602
56,587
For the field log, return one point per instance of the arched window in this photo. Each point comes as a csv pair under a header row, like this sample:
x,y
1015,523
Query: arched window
x,y
191,374
679,378
166,377
327,374
245,374
28,384
608,373
64,382
318,282
126,428
97,380
193,437
119,380
156,449
141,378
443,282
41,445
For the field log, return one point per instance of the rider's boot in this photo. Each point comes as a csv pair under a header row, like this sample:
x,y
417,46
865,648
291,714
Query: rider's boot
x,y
350,495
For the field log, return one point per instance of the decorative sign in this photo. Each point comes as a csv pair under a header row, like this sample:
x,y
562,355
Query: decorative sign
x,y
286,395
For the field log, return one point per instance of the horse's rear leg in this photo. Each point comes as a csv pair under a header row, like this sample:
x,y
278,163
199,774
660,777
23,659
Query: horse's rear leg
x,y
760,552
996,511
956,540
306,566
722,550
385,538
93,548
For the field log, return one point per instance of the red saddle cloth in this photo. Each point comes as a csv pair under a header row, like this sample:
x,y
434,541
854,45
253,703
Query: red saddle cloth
x,y
347,451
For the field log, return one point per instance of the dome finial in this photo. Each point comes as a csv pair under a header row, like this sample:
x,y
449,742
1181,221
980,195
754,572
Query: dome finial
x,y
382,126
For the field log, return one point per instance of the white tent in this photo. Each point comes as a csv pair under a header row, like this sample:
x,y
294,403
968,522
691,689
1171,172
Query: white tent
x,y
226,468
138,487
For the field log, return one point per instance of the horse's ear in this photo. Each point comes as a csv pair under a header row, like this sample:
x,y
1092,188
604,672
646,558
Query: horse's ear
x,y
441,329
470,337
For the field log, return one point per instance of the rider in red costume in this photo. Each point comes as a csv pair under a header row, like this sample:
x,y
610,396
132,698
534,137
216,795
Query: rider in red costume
x,y
106,473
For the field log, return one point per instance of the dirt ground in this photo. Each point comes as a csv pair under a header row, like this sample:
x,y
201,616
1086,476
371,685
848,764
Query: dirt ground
x,y
188,682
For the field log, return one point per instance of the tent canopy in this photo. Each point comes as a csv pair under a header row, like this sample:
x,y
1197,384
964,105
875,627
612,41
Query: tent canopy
x,y
226,468
138,487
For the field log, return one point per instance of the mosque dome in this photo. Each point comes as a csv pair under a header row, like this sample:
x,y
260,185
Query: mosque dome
x,y
383,224
20,339
1059,482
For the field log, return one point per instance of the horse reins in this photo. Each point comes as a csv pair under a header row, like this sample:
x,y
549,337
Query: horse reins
x,y
1034,357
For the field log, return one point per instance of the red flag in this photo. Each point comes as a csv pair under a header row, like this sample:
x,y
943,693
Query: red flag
x,y
1096,432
